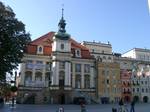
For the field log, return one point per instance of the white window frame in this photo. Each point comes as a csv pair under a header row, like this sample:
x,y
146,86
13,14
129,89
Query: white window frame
x,y
40,52
76,53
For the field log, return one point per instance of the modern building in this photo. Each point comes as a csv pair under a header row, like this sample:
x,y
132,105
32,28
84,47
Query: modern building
x,y
138,53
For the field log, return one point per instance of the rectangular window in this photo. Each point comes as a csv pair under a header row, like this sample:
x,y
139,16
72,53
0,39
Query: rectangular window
x,y
29,64
78,81
29,61
137,89
62,65
39,65
78,68
87,81
48,66
145,82
87,68
107,81
103,72
39,62
133,90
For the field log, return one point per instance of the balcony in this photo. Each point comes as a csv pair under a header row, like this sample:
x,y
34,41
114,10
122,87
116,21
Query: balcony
x,y
31,66
35,84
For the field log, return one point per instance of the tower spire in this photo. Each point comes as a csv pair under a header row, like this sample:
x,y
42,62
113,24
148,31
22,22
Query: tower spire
x,y
61,34
62,11
62,23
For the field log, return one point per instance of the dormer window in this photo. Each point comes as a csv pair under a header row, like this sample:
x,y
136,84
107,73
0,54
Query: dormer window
x,y
40,50
77,53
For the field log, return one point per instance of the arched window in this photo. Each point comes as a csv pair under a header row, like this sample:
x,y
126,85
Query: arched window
x,y
109,58
28,78
104,57
40,50
38,76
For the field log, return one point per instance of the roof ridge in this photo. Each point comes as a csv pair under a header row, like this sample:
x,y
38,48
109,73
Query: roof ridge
x,y
78,44
42,37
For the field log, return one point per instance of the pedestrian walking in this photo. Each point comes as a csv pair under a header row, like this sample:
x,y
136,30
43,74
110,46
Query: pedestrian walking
x,y
13,101
121,106
132,106
61,109
83,108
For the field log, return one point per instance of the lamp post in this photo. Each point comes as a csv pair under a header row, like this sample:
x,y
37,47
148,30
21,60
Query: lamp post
x,y
14,88
49,81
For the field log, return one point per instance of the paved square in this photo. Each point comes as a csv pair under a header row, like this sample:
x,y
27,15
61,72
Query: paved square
x,y
70,108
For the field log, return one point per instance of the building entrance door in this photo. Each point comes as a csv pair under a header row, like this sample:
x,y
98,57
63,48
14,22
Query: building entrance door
x,y
62,99
61,78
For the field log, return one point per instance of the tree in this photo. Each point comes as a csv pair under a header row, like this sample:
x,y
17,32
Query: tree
x,y
13,40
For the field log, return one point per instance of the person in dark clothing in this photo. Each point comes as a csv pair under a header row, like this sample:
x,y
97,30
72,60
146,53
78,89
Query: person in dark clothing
x,y
132,106
1,102
121,105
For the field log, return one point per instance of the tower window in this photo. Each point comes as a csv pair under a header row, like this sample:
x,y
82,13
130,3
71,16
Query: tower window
x,y
62,46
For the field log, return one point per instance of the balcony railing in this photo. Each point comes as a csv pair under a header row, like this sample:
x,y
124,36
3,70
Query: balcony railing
x,y
35,84
36,66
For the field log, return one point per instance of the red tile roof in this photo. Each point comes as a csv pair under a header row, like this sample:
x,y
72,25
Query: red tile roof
x,y
46,41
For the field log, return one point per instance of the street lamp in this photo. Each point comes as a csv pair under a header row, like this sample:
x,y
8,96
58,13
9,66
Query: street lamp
x,y
13,88
49,81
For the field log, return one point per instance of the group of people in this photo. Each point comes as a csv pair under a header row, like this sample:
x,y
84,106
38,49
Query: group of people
x,y
122,107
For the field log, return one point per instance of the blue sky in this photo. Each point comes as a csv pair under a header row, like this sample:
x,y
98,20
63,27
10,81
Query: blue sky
x,y
124,23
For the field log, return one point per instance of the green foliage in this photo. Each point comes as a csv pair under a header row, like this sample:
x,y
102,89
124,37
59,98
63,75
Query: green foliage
x,y
14,88
5,89
13,39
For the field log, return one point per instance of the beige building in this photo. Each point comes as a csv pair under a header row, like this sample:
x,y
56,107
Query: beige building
x,y
108,73
100,51
109,82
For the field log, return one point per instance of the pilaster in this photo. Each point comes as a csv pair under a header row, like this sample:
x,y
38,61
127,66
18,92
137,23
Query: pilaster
x,y
73,75
67,74
82,75
22,73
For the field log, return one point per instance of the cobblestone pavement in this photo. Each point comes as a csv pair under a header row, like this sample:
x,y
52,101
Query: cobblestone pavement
x,y
69,108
